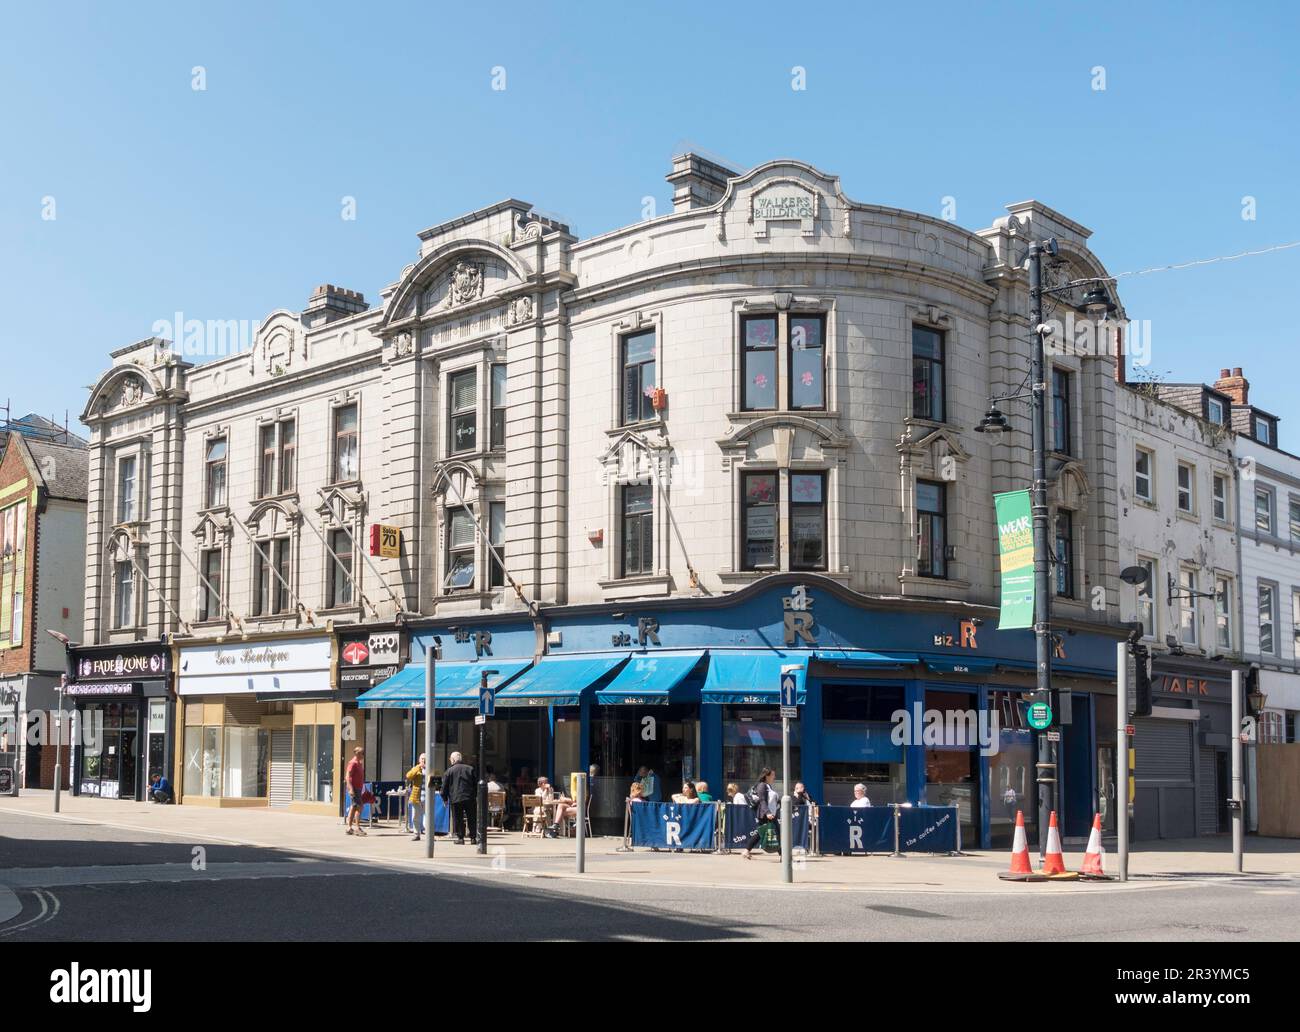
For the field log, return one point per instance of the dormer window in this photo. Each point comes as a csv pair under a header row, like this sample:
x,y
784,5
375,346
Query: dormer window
x,y
1215,411
1264,433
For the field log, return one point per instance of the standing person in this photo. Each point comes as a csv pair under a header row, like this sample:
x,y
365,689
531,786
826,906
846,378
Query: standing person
x,y
765,802
415,805
800,796
356,781
459,789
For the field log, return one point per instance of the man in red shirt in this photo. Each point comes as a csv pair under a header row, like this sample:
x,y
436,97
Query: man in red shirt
x,y
356,779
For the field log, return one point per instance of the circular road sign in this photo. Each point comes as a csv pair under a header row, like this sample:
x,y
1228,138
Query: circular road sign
x,y
1040,715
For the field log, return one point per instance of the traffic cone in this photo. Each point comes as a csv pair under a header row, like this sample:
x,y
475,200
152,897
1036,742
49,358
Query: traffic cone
x,y
1092,868
1053,861
1020,866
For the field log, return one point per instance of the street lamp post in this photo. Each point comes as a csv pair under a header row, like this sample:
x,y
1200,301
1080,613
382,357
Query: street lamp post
x,y
58,743
1096,303
66,642
1042,583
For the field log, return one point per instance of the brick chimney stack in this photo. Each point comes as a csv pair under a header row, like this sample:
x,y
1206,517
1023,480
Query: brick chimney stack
x,y
1234,385
329,302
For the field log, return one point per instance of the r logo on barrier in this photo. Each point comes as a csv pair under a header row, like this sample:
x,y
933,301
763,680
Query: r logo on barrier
x,y
673,836
855,836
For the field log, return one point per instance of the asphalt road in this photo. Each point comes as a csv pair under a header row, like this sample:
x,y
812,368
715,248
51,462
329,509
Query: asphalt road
x,y
77,881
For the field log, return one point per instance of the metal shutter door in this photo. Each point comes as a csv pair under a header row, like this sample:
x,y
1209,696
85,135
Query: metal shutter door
x,y
1164,749
1207,801
281,787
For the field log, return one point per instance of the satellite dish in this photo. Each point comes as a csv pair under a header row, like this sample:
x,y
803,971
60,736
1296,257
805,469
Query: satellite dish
x,y
1134,575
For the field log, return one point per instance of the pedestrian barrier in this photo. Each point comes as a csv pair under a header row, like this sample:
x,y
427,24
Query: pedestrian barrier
x,y
672,826
854,831
894,828
737,822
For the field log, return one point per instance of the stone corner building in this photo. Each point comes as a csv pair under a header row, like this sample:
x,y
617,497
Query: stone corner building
x,y
648,447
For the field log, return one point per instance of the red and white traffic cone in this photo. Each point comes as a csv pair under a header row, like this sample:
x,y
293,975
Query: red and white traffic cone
x,y
1092,866
1021,870
1053,860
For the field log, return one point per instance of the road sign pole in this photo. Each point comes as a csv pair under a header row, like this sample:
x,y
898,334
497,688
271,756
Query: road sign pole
x,y
789,700
1237,804
1121,755
430,737
486,708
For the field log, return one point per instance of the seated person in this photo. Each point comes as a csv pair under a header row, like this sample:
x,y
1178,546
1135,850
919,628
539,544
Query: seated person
x,y
564,809
736,796
800,796
702,790
160,789
636,794
860,795
687,794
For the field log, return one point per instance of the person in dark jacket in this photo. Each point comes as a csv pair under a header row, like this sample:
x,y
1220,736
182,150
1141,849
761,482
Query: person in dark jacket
x,y
767,805
459,791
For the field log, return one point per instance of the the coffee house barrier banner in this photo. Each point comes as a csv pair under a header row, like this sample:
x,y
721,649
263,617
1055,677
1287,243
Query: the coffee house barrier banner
x,y
1016,552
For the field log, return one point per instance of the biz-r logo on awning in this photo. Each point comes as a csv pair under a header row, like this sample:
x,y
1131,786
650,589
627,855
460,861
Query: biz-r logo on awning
x,y
798,616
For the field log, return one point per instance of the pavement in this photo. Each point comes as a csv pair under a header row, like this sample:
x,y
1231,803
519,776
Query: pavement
x,y
510,853
108,871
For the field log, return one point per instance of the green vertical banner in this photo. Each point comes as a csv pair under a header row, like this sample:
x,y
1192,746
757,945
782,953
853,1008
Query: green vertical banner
x,y
1016,552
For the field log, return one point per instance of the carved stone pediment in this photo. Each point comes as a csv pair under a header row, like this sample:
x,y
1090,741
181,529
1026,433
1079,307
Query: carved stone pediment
x,y
341,506
783,438
273,519
635,456
1068,485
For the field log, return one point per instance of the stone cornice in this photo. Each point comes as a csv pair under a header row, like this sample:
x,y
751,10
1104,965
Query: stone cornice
x,y
974,289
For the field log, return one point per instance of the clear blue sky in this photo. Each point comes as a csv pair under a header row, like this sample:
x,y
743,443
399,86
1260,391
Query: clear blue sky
x,y
225,203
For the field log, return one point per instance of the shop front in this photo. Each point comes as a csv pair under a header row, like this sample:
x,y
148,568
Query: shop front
x,y
261,723
367,657
516,739
122,710
919,702
1183,751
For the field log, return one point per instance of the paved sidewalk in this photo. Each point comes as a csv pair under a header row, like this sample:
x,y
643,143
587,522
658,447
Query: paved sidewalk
x,y
510,853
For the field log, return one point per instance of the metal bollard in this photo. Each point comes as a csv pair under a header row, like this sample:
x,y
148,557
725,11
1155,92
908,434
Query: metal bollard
x,y
897,854
581,802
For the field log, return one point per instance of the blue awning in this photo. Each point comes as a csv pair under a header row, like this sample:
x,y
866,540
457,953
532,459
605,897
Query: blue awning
x,y
559,680
961,664
740,677
457,684
862,658
649,679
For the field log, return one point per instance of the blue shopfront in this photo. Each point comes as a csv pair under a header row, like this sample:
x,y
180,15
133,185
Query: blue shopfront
x,y
920,701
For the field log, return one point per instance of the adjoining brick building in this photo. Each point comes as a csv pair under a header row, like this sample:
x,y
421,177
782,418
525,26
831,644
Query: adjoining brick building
x,y
42,585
